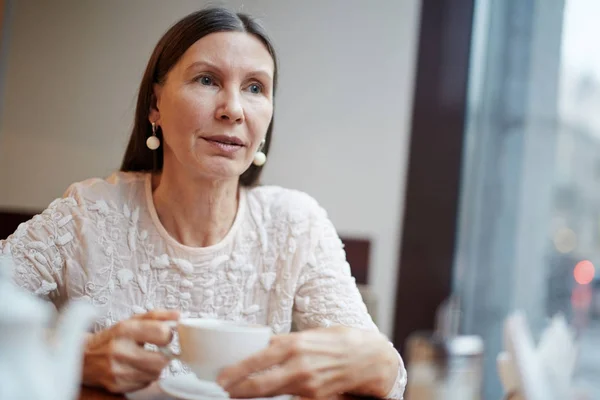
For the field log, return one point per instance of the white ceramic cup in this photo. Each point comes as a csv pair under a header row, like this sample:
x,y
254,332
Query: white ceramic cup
x,y
209,345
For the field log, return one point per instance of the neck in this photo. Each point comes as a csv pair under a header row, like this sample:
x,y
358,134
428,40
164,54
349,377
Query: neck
x,y
196,212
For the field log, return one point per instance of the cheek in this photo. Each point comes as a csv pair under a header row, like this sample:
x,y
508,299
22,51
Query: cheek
x,y
262,118
187,113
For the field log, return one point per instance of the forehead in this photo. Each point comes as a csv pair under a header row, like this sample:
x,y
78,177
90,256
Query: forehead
x,y
231,51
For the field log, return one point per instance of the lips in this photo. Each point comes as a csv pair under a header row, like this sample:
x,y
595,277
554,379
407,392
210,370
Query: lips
x,y
226,140
224,145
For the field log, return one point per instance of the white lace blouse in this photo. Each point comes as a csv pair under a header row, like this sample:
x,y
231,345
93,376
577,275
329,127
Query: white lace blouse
x,y
281,262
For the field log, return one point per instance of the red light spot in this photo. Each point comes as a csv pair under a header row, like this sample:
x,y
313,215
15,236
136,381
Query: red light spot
x,y
584,272
581,297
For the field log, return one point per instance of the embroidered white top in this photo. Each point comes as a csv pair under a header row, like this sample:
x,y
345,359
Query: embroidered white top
x,y
281,262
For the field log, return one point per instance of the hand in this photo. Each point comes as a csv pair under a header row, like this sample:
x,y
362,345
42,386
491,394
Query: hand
x,y
115,358
316,363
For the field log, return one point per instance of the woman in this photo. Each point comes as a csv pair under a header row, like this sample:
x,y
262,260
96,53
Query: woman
x,y
184,228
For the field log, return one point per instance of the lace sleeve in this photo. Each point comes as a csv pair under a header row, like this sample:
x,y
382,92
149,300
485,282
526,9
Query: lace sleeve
x,y
36,250
327,293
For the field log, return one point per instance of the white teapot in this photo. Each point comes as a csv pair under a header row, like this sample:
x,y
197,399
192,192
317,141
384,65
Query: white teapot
x,y
31,366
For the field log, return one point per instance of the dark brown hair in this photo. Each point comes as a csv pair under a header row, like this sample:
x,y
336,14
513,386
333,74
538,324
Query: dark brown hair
x,y
168,51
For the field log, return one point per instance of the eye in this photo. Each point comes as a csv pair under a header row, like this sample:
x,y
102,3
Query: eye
x,y
206,80
255,88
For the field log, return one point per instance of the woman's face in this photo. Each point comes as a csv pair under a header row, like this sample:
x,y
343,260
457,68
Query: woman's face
x,y
215,105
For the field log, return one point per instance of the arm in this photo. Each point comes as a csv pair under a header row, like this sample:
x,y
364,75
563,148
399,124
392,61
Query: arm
x,y
339,349
328,296
113,358
37,250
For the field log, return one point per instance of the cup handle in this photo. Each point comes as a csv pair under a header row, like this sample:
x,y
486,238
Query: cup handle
x,y
164,349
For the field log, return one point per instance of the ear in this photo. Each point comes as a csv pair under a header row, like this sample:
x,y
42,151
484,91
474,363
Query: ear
x,y
154,113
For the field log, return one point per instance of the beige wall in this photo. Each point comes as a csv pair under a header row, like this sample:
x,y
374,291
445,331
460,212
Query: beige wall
x,y
342,118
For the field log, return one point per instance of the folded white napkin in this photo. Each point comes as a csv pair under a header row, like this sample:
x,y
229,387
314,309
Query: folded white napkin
x,y
544,371
557,351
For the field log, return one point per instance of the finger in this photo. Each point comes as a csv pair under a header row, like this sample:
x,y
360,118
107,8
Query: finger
x,y
328,386
321,385
160,315
265,384
315,376
126,378
293,378
150,362
277,352
145,331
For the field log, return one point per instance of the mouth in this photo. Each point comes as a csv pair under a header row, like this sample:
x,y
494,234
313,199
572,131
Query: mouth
x,y
225,140
225,145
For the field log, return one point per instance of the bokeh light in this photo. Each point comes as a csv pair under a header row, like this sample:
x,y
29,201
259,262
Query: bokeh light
x,y
584,272
565,240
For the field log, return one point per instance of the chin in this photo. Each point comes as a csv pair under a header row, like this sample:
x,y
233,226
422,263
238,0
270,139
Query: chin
x,y
222,169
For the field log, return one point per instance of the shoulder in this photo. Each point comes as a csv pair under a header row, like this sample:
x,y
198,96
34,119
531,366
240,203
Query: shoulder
x,y
64,216
111,191
287,204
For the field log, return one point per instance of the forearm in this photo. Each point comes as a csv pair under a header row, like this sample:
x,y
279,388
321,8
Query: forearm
x,y
388,378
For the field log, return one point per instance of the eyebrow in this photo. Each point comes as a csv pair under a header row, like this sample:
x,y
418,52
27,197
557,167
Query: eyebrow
x,y
205,64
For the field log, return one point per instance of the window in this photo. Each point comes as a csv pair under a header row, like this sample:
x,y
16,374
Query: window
x,y
529,216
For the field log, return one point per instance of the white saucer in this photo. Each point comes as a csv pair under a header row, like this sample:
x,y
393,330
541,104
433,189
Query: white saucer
x,y
189,387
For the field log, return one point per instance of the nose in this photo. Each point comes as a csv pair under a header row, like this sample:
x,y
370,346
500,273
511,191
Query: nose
x,y
230,108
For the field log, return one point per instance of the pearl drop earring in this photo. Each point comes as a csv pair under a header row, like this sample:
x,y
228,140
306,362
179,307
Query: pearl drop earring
x,y
153,142
260,158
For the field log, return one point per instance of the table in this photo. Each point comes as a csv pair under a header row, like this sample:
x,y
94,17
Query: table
x,y
99,394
